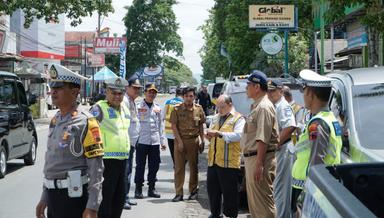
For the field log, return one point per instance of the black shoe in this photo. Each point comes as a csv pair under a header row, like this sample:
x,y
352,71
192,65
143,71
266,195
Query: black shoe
x,y
193,196
153,193
130,202
127,206
139,192
177,198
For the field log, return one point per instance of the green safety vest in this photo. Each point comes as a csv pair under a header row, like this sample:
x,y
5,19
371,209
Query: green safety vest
x,y
114,130
303,150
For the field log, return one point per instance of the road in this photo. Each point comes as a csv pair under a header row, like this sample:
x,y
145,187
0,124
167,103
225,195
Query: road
x,y
21,188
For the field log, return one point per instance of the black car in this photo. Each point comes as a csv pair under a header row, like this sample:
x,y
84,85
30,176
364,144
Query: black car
x,y
18,138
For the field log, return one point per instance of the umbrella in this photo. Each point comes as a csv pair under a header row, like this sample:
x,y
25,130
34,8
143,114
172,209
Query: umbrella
x,y
104,74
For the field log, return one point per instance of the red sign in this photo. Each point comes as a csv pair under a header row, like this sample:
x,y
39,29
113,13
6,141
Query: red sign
x,y
108,45
96,60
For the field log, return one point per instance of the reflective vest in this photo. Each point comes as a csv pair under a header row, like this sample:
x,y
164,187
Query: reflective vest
x,y
303,150
169,105
114,129
220,152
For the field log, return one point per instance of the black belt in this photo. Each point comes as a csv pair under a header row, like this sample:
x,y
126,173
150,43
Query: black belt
x,y
253,153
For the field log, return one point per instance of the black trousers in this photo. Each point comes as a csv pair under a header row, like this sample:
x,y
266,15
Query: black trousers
x,y
129,171
153,153
295,196
171,146
222,183
113,188
60,205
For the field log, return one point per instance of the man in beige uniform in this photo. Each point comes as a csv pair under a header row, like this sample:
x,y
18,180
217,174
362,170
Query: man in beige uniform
x,y
259,142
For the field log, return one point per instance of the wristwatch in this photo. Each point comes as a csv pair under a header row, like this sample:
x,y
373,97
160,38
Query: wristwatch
x,y
220,134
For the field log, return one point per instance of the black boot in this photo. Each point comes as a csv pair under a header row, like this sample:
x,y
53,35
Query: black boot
x,y
152,192
139,191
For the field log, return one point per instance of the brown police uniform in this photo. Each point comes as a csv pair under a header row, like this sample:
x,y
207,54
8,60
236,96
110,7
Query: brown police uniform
x,y
261,125
188,123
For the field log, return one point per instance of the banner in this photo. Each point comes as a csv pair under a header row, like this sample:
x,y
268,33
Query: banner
x,y
123,49
272,16
108,45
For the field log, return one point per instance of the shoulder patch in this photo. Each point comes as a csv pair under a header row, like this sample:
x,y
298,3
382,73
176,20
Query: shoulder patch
x,y
288,111
92,142
312,131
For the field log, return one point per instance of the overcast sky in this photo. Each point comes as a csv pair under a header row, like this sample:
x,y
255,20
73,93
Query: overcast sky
x,y
190,15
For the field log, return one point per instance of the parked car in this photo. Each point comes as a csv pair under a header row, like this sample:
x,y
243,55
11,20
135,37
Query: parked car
x,y
357,100
18,138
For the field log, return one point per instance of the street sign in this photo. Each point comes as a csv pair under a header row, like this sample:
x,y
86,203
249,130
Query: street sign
x,y
272,17
271,43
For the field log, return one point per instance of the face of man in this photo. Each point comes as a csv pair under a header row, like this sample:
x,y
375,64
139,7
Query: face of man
x,y
133,91
252,89
308,97
114,97
223,108
275,95
150,95
64,95
189,97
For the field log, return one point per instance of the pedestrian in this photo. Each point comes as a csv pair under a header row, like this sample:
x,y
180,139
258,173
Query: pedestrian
x,y
259,143
168,108
224,158
204,99
320,142
114,119
151,138
73,169
132,92
187,121
287,124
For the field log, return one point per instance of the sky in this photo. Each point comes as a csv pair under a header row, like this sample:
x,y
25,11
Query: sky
x,y
189,14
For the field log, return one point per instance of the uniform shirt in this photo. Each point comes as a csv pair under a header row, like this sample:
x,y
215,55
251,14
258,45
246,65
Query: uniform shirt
x,y
134,128
234,136
151,124
173,101
74,143
284,114
261,125
188,121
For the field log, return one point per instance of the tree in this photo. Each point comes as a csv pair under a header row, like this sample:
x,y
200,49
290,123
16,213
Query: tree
x,y
151,32
51,9
228,25
373,18
176,73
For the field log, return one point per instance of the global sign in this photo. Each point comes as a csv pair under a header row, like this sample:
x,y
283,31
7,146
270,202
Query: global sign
x,y
272,16
271,43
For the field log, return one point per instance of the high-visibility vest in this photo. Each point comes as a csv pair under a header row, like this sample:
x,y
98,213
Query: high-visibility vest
x,y
221,153
169,105
303,148
114,129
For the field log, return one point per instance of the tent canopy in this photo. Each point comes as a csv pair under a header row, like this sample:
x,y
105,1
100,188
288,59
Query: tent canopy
x,y
104,74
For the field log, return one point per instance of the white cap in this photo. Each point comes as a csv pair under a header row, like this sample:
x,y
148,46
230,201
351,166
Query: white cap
x,y
60,75
311,78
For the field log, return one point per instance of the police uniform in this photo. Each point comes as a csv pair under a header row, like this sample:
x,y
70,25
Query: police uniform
x,y
150,139
188,123
320,142
282,183
134,132
224,155
73,166
168,108
261,125
114,124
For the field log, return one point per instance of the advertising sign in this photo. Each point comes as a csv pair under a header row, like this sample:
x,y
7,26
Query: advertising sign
x,y
272,16
108,45
96,60
271,43
153,70
356,35
122,59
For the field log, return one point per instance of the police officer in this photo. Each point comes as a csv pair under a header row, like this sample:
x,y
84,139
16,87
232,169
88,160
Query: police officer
x,y
132,92
114,118
287,124
150,139
224,158
168,108
73,167
259,142
187,121
320,142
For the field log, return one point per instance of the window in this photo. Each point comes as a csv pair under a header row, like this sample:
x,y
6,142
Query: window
x,y
8,98
22,96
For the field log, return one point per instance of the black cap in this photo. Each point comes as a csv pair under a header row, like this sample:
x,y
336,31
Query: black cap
x,y
274,84
258,77
134,81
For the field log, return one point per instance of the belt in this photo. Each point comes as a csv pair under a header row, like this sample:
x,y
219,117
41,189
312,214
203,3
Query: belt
x,y
189,136
253,153
61,183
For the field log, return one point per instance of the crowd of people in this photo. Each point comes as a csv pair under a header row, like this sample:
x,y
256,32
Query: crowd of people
x,y
89,158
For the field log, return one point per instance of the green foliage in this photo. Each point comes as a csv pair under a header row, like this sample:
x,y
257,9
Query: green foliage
x,y
51,9
228,24
112,61
176,73
151,32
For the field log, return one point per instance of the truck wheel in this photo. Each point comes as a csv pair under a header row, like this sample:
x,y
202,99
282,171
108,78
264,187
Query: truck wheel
x,y
30,158
3,161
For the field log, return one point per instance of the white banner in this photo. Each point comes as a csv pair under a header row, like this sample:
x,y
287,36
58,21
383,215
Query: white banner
x,y
123,49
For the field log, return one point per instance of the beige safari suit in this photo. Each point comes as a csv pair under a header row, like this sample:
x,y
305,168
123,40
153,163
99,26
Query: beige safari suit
x,y
261,125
